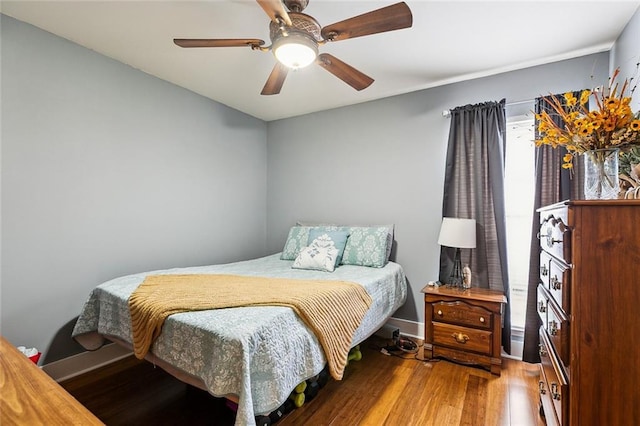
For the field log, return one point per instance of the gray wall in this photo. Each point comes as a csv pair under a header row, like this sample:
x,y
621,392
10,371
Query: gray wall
x,y
108,171
383,161
626,55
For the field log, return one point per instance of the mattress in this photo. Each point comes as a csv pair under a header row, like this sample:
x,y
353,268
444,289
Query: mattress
x,y
255,354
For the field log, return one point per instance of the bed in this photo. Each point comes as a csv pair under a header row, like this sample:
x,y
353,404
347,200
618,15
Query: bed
x,y
255,354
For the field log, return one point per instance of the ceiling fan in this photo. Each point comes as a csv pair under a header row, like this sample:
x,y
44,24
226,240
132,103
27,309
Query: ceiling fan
x,y
295,38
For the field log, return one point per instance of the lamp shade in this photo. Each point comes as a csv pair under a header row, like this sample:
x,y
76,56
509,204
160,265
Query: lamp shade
x,y
458,233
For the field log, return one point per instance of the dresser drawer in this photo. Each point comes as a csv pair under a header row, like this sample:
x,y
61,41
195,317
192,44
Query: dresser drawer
x,y
557,327
559,284
553,385
555,235
463,338
462,313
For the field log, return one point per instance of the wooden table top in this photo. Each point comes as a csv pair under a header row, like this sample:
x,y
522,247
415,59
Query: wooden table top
x,y
475,293
28,396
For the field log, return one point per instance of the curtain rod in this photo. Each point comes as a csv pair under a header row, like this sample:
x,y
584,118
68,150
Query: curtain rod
x,y
447,112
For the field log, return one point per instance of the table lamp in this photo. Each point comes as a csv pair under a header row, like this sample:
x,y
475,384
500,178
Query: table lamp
x,y
457,233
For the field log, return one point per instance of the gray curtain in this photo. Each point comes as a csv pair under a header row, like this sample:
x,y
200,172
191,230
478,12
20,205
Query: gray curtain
x,y
553,184
474,189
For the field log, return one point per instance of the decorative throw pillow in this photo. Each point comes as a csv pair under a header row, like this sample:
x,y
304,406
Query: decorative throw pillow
x,y
339,239
366,246
328,226
297,239
320,255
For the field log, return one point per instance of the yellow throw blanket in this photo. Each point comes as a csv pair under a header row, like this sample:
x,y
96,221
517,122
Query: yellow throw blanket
x,y
332,309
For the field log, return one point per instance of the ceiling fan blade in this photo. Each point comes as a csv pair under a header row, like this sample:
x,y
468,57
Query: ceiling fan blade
x,y
344,72
275,9
217,42
394,17
276,80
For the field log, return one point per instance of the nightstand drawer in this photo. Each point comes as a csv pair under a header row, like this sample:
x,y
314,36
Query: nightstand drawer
x,y
462,313
463,338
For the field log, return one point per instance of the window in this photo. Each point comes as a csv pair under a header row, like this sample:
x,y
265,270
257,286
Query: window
x,y
519,194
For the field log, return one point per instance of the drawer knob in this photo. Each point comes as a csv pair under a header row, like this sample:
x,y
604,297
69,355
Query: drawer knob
x,y
541,387
554,392
556,284
482,320
440,313
460,338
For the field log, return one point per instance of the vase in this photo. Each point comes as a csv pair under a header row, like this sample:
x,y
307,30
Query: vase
x,y
601,174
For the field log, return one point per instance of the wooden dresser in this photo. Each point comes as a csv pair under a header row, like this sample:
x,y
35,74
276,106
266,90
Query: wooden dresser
x,y
464,325
29,397
588,299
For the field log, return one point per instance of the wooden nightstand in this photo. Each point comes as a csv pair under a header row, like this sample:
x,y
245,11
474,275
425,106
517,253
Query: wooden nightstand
x,y
464,325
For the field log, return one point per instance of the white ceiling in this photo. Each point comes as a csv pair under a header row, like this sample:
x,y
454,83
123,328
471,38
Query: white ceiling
x,y
449,41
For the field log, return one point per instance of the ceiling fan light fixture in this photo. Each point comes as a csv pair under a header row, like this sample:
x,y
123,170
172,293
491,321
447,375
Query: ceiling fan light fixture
x,y
295,50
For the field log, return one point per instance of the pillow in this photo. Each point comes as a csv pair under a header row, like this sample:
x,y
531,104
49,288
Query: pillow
x,y
297,239
366,246
339,239
320,255
327,226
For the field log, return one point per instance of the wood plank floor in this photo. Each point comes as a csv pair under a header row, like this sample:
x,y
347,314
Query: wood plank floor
x,y
377,390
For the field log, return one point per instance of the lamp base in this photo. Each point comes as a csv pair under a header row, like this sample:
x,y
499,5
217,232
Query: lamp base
x,y
455,278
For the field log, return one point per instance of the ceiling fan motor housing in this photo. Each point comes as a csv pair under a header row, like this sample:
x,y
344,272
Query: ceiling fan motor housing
x,y
300,22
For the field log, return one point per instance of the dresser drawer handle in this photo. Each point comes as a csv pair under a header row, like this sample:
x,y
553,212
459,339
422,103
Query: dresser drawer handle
x,y
542,351
460,338
439,313
541,387
482,320
550,240
544,270
542,307
556,284
554,392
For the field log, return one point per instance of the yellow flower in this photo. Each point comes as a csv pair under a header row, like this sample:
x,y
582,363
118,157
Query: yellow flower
x,y
584,96
571,100
612,103
635,125
609,124
580,122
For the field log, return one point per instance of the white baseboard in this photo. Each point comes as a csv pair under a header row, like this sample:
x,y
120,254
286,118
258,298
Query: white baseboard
x,y
84,362
408,328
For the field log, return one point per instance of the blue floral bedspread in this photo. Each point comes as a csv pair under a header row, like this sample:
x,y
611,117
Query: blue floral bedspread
x,y
258,354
